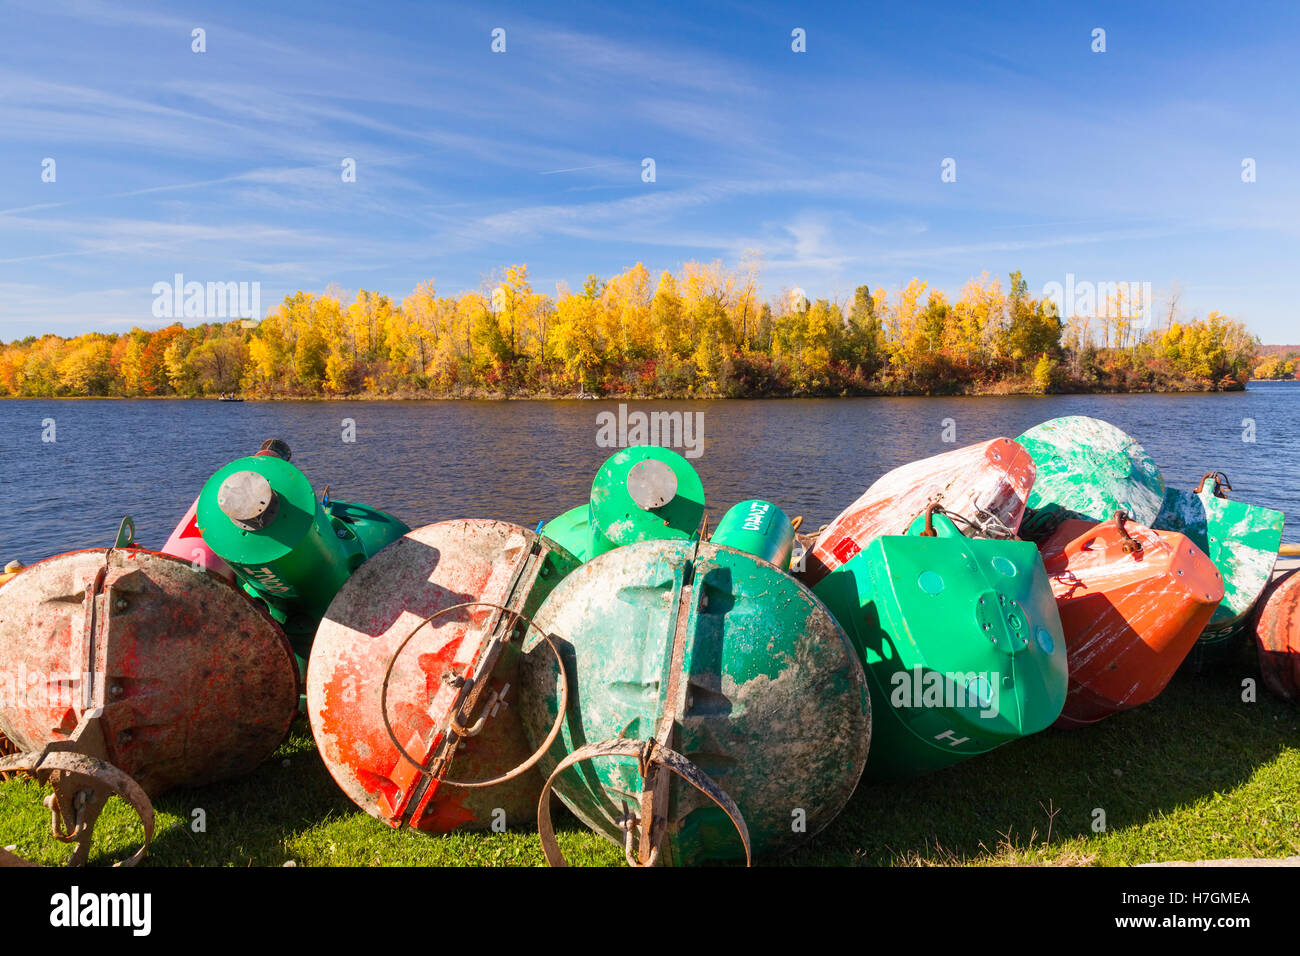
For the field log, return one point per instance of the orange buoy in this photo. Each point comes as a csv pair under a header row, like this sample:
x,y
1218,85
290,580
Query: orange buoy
x,y
1277,636
1133,601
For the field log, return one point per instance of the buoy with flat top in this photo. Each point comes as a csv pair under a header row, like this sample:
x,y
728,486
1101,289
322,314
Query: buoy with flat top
x,y
715,710
642,493
289,549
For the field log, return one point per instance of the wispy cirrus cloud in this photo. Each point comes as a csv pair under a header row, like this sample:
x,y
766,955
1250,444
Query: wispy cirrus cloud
x,y
825,162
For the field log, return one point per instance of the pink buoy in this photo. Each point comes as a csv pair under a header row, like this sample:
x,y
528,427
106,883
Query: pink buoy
x,y
187,544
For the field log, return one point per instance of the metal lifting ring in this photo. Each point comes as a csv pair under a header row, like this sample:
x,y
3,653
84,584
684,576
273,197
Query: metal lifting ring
x,y
454,725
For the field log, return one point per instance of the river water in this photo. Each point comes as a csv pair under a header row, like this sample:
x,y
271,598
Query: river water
x,y
526,461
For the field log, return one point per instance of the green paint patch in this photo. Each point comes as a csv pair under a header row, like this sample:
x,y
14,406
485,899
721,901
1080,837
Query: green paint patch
x,y
1241,539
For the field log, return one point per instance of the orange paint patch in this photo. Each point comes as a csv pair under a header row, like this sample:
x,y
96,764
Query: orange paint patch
x,y
1130,617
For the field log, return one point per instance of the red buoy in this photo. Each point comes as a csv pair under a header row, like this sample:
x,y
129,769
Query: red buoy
x,y
1277,636
984,486
130,672
412,686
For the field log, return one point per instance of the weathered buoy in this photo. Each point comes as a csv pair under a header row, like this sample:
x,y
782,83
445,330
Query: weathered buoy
x,y
1242,540
961,639
290,551
134,673
1133,602
717,711
413,686
985,485
759,528
186,542
642,493
1088,469
1277,637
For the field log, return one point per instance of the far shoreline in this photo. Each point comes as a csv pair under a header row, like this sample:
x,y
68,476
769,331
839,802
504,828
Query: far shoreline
x,y
662,397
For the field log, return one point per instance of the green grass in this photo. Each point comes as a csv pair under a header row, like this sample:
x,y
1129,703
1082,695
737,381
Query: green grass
x,y
1196,774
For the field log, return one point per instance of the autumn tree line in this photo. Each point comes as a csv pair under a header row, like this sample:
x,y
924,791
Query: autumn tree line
x,y
703,332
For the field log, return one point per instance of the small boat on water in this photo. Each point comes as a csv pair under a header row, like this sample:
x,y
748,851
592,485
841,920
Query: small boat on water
x,y
10,571
985,485
1088,469
1132,602
230,398
1241,539
961,640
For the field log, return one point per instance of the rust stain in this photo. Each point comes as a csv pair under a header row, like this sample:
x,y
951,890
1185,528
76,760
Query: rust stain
x,y
196,683
1277,637
6,749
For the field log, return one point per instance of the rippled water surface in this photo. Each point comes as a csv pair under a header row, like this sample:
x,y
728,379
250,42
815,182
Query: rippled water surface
x,y
529,461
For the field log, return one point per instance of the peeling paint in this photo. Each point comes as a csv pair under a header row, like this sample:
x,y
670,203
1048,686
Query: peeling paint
x,y
775,708
1089,469
195,682
1130,618
1242,541
429,570
992,478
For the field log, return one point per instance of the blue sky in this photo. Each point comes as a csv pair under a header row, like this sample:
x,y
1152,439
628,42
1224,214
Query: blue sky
x,y
225,165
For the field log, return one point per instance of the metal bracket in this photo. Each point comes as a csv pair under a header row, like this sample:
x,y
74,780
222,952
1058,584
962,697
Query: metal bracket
x,y
82,779
125,533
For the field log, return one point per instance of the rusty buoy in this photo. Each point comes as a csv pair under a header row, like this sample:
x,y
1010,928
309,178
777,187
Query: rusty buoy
x,y
1277,637
131,672
412,686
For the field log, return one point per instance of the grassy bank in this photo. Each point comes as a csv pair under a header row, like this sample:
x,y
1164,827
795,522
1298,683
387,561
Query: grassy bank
x,y
1198,773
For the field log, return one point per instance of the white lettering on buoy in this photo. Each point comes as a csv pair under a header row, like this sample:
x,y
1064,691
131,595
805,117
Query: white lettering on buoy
x,y
266,579
757,512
